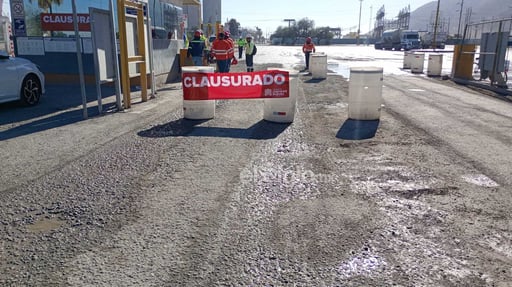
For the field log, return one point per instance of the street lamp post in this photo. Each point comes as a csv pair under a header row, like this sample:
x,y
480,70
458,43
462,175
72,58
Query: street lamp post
x,y
359,26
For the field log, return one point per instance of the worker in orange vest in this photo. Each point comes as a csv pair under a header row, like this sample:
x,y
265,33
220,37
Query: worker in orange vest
x,y
307,49
227,36
222,51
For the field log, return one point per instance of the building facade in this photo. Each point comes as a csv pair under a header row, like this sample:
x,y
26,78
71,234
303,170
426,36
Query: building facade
x,y
193,16
212,11
43,32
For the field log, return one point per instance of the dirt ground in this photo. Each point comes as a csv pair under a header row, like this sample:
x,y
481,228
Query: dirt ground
x,y
147,198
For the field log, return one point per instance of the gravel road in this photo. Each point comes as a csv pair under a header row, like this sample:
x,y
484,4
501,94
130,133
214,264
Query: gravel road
x,y
146,198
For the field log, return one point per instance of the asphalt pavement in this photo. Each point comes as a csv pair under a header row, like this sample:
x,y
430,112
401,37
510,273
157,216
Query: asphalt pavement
x,y
143,197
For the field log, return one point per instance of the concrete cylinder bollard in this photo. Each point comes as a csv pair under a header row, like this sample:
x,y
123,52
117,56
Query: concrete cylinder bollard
x,y
365,93
318,65
282,110
435,65
407,59
202,109
418,62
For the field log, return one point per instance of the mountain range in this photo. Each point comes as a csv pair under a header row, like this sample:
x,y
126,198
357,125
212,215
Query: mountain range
x,y
475,10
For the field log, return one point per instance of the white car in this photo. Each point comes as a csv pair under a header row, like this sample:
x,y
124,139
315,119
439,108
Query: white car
x,y
20,79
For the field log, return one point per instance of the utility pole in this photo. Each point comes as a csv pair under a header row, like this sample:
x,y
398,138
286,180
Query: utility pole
x,y
434,44
370,32
359,26
289,21
460,16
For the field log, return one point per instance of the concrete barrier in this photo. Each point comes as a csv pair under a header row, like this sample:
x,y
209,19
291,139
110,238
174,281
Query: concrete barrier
x,y
318,65
282,110
198,110
365,93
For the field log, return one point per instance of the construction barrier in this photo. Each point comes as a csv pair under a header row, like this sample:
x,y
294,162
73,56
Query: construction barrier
x,y
201,87
184,60
435,65
407,59
318,65
463,60
365,93
418,62
197,110
282,110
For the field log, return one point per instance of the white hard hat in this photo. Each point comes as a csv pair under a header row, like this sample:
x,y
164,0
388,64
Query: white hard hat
x,y
248,36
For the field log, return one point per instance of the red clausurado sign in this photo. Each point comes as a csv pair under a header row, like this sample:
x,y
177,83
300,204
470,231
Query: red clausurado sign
x,y
223,86
64,22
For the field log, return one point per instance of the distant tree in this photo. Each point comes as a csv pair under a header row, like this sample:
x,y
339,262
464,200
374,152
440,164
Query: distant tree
x,y
304,26
234,28
46,5
322,33
258,34
286,32
33,23
302,29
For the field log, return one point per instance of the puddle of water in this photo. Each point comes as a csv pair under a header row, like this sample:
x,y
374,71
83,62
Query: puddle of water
x,y
45,225
480,180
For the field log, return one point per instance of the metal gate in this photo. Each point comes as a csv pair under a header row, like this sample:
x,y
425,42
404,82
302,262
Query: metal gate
x,y
491,56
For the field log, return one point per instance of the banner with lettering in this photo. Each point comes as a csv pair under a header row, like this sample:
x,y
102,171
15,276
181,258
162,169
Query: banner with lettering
x,y
64,22
222,86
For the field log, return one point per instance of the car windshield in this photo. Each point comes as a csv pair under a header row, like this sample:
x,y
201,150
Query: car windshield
x,y
159,33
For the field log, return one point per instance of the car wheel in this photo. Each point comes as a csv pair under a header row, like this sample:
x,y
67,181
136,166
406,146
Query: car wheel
x,y
30,90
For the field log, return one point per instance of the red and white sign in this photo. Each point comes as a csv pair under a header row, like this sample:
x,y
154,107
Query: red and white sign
x,y
64,22
221,86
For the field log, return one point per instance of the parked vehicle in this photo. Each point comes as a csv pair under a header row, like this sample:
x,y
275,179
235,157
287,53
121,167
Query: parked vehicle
x,y
20,79
427,40
399,39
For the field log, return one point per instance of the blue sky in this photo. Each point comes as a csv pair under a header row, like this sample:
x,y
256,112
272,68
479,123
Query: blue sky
x,y
269,14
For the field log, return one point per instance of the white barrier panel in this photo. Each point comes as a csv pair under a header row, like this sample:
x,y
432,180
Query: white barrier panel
x,y
435,65
418,62
365,93
318,65
282,110
407,59
198,110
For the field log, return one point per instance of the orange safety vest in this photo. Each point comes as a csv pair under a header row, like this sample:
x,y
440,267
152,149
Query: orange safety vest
x,y
232,47
308,47
222,49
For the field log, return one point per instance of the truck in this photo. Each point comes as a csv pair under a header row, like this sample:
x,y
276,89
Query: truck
x,y
427,40
399,39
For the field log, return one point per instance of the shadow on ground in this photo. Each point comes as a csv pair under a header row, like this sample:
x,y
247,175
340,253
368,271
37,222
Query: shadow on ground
x,y
314,81
61,105
358,130
261,130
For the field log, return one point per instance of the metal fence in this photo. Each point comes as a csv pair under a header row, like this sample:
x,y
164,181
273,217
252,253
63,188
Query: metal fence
x,y
491,56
